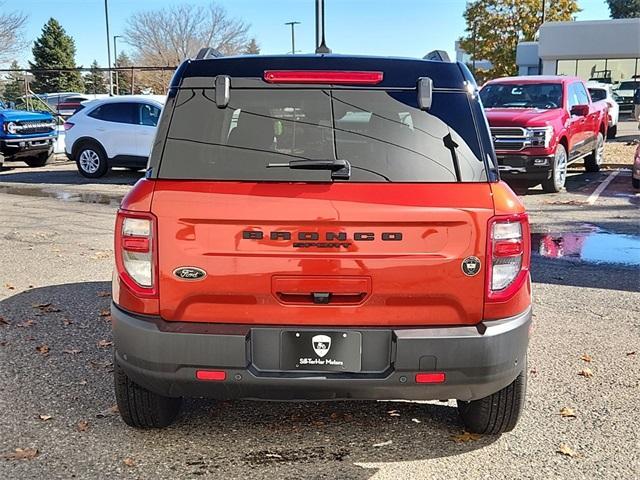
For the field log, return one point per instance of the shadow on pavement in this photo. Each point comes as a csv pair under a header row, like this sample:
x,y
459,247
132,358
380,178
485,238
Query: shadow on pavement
x,y
65,174
73,381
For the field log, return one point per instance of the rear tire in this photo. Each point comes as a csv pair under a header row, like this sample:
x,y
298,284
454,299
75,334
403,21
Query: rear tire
x,y
558,172
40,160
497,413
91,160
612,132
141,408
593,161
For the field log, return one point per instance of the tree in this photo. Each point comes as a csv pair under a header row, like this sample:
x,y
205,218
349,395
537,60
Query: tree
x,y
167,36
125,79
14,86
11,34
94,81
55,49
500,24
252,48
624,8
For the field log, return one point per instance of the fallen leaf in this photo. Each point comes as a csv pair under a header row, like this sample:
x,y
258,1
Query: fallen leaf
x,y
566,450
66,322
466,437
72,351
44,418
24,454
113,410
95,364
104,294
393,413
273,455
415,420
586,372
4,321
534,371
129,462
105,313
383,444
586,357
104,343
26,323
630,353
43,349
567,412
9,286
82,426
46,307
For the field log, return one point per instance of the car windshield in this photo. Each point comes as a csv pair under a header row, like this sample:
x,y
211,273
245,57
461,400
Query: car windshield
x,y
597,94
383,135
628,85
513,95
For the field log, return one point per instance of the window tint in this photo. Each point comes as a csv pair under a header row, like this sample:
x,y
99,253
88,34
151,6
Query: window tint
x,y
149,115
527,95
383,134
116,112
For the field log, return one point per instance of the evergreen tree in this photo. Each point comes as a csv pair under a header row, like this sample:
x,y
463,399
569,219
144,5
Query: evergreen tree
x,y
252,47
14,87
124,77
55,49
94,81
624,8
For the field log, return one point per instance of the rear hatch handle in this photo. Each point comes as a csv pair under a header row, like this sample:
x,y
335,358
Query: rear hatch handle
x,y
340,169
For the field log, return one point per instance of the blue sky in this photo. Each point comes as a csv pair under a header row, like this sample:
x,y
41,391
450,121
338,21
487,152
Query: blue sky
x,y
376,27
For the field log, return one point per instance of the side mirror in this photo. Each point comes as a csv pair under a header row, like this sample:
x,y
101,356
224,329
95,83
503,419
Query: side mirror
x,y
425,93
580,110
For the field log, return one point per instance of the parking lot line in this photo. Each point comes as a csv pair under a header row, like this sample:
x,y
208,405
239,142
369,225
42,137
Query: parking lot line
x,y
596,193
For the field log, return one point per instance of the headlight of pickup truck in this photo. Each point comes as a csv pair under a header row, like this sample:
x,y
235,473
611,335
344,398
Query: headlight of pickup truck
x,y
540,136
10,127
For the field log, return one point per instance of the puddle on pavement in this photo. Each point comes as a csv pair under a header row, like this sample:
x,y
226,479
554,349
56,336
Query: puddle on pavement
x,y
590,245
65,196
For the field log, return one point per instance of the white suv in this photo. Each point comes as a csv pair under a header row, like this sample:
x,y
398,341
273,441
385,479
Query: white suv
x,y
602,92
113,132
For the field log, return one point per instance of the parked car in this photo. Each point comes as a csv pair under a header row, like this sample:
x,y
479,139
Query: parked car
x,y
72,104
635,173
541,124
26,136
112,132
624,91
319,228
601,92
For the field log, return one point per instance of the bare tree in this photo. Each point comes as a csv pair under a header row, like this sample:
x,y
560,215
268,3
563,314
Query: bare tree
x,y
11,34
169,35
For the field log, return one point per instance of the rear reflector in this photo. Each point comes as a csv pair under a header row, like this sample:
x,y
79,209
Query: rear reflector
x,y
336,77
212,375
432,377
136,244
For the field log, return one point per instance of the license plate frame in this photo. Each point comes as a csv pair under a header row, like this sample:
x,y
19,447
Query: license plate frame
x,y
327,351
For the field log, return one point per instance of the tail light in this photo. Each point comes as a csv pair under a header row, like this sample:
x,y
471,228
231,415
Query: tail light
x,y
68,125
334,77
136,252
509,254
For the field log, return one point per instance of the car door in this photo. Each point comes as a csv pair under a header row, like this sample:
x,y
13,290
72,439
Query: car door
x,y
590,125
115,128
576,123
148,115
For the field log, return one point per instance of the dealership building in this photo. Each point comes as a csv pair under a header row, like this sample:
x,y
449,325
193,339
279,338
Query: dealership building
x,y
604,50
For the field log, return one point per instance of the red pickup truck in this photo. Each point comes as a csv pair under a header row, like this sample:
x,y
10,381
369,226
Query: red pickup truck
x,y
542,124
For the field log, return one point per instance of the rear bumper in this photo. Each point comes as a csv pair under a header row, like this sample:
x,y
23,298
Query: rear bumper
x,y
525,167
164,356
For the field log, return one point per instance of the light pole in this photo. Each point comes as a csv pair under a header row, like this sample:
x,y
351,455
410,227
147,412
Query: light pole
x,y
115,61
106,19
293,35
544,5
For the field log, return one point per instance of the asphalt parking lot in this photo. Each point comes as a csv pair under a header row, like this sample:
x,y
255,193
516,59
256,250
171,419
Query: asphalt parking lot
x,y
55,359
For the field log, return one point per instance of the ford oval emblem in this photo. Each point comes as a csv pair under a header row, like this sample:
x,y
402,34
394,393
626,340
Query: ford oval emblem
x,y
189,273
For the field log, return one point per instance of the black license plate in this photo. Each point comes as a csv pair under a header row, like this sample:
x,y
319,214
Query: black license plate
x,y
321,351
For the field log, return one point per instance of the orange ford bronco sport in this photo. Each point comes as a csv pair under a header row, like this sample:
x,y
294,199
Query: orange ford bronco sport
x,y
322,227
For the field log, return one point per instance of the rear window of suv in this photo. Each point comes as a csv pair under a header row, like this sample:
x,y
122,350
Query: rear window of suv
x,y
383,134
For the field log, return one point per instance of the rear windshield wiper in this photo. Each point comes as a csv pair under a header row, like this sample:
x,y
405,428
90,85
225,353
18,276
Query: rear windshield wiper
x,y
340,169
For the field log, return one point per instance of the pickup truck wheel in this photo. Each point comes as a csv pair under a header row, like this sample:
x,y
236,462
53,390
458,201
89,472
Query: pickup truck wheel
x,y
40,160
91,160
612,132
558,172
141,408
497,413
593,161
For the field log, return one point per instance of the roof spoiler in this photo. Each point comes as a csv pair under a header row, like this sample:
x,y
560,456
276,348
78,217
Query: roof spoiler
x,y
208,52
437,55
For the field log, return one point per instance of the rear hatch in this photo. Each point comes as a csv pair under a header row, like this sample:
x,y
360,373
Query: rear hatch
x,y
383,245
